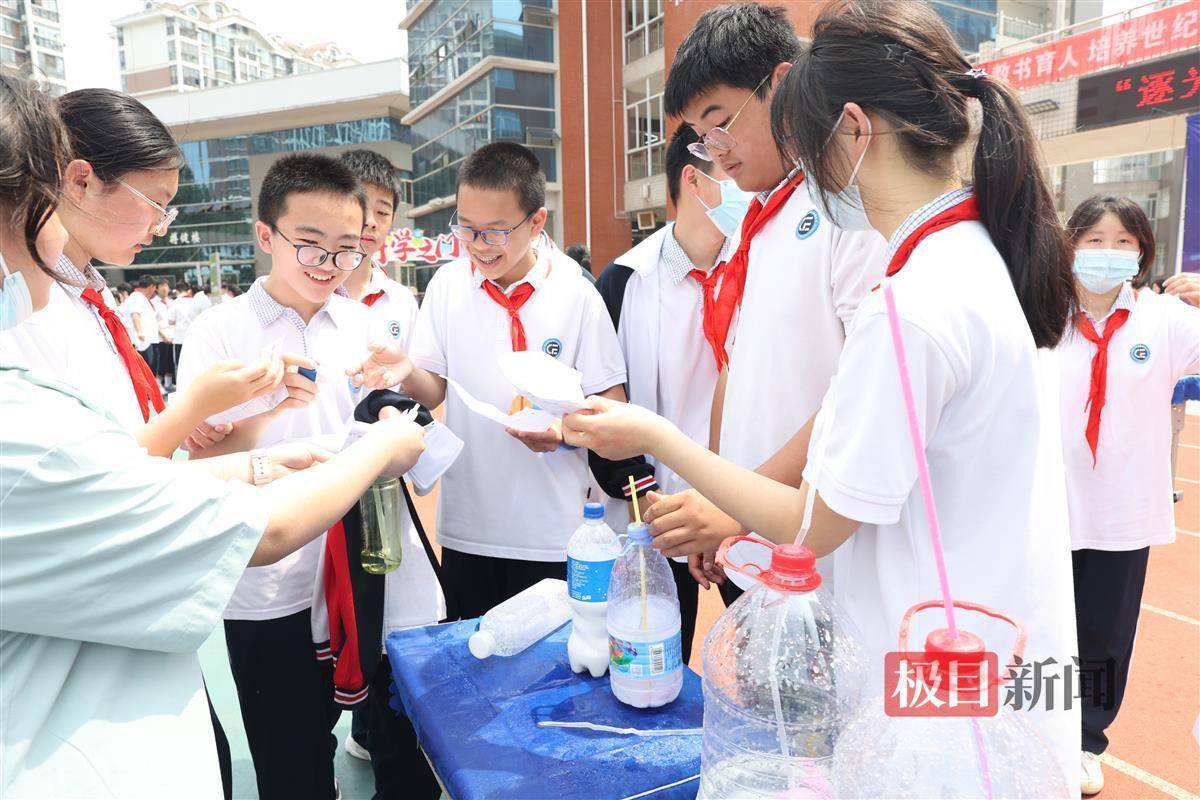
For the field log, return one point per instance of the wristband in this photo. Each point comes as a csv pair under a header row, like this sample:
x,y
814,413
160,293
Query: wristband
x,y
260,467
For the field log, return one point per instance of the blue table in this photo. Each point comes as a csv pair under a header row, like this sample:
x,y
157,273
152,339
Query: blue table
x,y
477,722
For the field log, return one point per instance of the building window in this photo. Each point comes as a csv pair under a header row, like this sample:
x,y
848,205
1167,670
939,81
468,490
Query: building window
x,y
174,76
1131,169
206,37
644,130
170,26
189,53
120,37
643,28
170,49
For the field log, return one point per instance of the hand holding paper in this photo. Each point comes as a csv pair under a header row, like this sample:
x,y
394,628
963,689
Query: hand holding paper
x,y
385,365
550,384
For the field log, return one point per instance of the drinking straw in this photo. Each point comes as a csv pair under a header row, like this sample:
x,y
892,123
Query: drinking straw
x,y
637,517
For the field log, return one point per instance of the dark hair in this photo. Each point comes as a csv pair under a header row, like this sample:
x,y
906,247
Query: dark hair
x,y
506,165
1133,219
580,255
116,134
306,173
678,157
146,281
161,279
370,167
124,287
736,45
925,98
34,149
232,287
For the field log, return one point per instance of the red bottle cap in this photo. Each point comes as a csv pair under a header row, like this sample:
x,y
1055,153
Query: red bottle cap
x,y
793,569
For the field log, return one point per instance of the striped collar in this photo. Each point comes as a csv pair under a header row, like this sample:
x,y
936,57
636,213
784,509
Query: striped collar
x,y
1125,299
923,215
535,277
764,196
267,309
677,262
76,279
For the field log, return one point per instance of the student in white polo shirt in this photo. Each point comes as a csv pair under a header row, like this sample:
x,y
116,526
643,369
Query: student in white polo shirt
x,y
981,279
511,500
660,298
796,277
311,212
1120,362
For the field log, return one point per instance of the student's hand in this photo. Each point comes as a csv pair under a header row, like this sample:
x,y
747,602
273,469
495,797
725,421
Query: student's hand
x,y
229,383
386,365
300,389
546,441
293,457
206,435
614,430
705,569
686,523
1185,286
407,438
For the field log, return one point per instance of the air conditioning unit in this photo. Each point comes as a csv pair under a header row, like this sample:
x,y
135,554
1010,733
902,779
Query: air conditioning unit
x,y
535,15
645,221
541,137
645,191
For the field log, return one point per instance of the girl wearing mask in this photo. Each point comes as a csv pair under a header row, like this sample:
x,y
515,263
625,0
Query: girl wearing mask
x,y
981,278
117,564
1120,361
115,191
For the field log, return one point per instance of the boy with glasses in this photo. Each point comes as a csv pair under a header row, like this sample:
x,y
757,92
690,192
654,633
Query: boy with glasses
x,y
511,500
310,217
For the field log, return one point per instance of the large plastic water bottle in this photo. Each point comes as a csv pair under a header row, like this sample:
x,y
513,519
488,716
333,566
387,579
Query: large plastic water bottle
x,y
591,553
521,620
645,653
994,756
784,671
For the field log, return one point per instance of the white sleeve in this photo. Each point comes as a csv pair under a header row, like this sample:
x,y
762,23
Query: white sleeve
x,y
599,356
861,458
103,543
205,347
856,268
428,350
1183,323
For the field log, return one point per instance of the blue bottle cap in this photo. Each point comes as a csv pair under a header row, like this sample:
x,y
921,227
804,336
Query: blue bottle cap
x,y
639,533
593,511
311,374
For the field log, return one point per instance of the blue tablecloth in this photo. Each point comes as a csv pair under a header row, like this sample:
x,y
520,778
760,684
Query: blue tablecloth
x,y
477,722
1188,388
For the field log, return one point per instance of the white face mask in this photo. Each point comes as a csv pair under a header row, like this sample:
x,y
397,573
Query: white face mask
x,y
845,208
1100,271
727,215
16,304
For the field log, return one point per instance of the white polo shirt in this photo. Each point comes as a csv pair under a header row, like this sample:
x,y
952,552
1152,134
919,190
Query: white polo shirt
x,y
180,317
1124,501
394,314
67,340
116,568
147,316
499,498
991,437
805,281
336,338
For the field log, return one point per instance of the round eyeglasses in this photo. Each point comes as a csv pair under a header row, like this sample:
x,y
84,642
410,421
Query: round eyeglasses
x,y
496,237
719,139
310,255
168,214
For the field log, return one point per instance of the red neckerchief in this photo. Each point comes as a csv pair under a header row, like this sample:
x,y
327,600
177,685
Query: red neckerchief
x,y
371,299
730,297
708,284
144,386
1099,385
512,304
966,210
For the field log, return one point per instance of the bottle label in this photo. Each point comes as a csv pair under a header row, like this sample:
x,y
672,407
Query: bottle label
x,y
645,659
587,581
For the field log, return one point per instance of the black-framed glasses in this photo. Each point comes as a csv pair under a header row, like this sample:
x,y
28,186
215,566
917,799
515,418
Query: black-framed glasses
x,y
310,255
496,237
719,139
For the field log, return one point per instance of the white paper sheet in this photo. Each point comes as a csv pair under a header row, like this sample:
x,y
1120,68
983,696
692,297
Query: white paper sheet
x,y
258,405
549,384
530,420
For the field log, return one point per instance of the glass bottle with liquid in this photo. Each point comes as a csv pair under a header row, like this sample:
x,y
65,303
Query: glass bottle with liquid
x,y
383,516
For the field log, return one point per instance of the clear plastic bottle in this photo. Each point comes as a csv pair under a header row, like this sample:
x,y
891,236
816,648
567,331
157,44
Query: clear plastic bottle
x,y
591,552
882,756
521,620
644,648
783,673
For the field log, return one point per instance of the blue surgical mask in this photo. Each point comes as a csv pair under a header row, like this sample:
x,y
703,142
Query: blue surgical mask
x,y
845,208
1100,271
16,304
727,215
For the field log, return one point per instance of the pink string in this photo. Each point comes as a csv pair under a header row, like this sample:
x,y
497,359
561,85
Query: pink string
x,y
918,443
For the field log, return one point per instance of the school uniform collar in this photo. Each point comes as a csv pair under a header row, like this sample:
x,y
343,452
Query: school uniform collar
x,y
536,276
78,278
763,197
922,215
378,282
677,262
1126,299
267,309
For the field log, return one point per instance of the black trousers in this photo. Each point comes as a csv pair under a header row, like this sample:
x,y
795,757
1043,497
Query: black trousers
x,y
689,601
150,356
401,770
1108,599
224,757
164,359
286,697
729,592
475,584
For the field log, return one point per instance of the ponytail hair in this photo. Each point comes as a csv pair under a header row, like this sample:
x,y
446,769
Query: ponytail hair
x,y
897,59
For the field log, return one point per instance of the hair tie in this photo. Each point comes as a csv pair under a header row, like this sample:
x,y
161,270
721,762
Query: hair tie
x,y
976,77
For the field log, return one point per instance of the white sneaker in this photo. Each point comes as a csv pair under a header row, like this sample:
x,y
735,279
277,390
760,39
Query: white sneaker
x,y
1092,777
355,749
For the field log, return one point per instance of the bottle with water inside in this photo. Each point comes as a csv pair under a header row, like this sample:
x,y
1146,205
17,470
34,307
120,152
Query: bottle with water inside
x,y
591,553
521,620
644,648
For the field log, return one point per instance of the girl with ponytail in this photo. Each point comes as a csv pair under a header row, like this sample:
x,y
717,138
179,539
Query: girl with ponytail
x,y
879,112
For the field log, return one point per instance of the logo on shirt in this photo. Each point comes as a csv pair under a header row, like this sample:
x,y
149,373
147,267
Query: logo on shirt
x,y
1140,353
552,347
808,225
394,328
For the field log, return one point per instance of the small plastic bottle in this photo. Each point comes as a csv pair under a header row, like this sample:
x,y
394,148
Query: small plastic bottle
x,y
522,620
591,552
